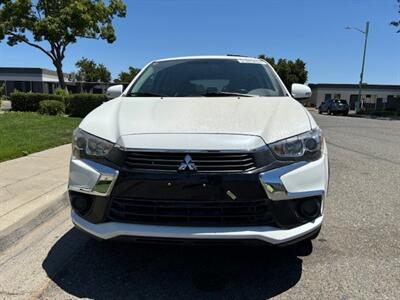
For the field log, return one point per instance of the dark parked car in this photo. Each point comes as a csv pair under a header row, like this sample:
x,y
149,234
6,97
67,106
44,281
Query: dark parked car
x,y
334,106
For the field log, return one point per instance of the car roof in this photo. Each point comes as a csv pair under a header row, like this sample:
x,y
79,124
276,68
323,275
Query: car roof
x,y
232,57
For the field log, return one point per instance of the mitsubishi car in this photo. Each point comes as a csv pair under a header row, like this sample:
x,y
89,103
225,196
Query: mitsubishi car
x,y
201,149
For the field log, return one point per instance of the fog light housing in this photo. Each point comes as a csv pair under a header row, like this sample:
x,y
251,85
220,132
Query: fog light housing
x,y
309,209
80,204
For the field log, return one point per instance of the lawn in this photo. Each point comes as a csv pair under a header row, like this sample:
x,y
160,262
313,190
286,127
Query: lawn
x,y
25,133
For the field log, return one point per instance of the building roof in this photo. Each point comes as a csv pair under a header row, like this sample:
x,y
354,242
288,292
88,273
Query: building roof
x,y
354,86
22,70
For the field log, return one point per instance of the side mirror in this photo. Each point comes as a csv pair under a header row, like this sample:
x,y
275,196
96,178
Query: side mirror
x,y
301,91
115,91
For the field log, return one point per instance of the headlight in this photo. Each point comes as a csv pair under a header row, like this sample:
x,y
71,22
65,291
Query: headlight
x,y
90,145
306,146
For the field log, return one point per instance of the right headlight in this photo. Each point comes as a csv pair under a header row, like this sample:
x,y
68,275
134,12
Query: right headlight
x,y
85,144
306,146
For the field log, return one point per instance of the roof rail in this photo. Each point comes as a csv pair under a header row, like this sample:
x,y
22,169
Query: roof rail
x,y
238,55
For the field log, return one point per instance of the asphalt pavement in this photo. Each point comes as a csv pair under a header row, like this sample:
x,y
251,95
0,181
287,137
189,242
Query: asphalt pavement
x,y
356,256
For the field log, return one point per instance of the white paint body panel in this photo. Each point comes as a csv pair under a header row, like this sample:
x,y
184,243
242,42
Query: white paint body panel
x,y
269,118
179,141
267,234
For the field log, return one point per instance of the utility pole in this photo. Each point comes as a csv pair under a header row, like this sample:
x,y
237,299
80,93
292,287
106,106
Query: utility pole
x,y
358,103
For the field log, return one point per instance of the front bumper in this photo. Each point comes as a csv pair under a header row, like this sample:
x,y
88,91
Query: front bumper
x,y
268,234
284,187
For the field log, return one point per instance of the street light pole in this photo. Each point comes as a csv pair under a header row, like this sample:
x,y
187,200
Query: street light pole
x,y
358,103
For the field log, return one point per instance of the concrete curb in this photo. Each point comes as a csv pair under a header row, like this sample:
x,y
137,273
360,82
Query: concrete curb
x,y
19,229
374,117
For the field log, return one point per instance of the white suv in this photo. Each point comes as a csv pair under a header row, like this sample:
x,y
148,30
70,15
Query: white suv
x,y
199,149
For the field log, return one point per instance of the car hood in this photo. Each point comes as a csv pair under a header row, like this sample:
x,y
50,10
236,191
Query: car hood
x,y
269,118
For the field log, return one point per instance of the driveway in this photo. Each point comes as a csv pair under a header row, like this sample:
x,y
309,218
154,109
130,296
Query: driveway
x,y
357,254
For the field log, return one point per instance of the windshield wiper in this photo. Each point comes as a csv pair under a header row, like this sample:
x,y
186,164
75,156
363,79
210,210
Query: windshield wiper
x,y
225,94
144,94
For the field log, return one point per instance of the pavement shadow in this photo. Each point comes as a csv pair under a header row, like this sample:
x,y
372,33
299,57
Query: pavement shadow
x,y
137,271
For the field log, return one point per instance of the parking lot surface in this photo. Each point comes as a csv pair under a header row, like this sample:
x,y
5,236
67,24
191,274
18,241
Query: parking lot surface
x,y
356,256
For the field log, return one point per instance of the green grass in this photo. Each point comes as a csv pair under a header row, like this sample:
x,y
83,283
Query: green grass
x,y
25,133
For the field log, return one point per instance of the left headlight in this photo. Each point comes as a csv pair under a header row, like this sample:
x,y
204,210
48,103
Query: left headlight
x,y
84,143
306,146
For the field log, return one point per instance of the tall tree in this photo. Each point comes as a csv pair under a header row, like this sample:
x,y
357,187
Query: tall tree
x,y
289,71
89,71
397,23
125,77
59,23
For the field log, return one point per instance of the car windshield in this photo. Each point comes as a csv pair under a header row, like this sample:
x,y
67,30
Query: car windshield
x,y
207,78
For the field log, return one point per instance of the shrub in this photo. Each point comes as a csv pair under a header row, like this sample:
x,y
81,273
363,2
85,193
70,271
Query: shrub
x,y
61,92
51,107
79,105
30,101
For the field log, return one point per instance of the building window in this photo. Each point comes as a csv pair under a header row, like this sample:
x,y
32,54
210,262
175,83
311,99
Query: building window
x,y
336,96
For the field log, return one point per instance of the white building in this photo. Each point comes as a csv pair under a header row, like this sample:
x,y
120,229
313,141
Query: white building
x,y
29,80
374,96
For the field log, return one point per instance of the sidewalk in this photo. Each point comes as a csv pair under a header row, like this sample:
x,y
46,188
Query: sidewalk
x,y
32,188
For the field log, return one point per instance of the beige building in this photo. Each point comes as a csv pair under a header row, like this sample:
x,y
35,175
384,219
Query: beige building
x,y
374,96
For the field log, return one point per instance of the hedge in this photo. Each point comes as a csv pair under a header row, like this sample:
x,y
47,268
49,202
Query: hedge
x,y
51,107
79,105
30,101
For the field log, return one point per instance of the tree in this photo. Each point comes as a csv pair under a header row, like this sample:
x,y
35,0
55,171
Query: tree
x,y
289,71
59,23
397,23
89,71
2,90
125,77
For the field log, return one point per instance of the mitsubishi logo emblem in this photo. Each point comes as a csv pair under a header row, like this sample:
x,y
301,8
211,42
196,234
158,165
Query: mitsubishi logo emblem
x,y
187,164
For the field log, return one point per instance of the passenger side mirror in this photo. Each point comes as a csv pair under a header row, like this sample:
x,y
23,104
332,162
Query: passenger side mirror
x,y
301,91
115,91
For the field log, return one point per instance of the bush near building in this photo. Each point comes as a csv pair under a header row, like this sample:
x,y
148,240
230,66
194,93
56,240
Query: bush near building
x,y
51,107
30,101
79,105
76,105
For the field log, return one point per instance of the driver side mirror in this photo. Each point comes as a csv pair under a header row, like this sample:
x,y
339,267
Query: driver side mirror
x,y
301,91
115,91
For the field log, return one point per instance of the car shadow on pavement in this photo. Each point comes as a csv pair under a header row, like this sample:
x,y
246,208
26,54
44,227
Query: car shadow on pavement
x,y
138,271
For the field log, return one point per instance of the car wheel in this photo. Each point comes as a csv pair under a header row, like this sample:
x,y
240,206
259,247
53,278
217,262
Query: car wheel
x,y
320,112
345,113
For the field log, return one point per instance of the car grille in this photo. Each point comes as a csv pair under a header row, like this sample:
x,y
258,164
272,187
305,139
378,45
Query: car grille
x,y
190,212
204,161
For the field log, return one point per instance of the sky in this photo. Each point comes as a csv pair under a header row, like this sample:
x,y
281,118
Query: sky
x,y
312,30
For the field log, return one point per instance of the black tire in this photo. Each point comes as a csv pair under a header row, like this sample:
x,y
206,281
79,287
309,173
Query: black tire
x,y
346,113
319,111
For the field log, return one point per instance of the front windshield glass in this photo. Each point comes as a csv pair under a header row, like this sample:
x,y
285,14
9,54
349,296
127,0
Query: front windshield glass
x,y
207,77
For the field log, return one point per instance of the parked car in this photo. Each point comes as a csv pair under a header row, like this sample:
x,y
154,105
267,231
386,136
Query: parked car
x,y
334,106
198,149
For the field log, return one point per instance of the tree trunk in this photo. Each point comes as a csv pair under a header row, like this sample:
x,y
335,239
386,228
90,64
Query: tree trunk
x,y
60,75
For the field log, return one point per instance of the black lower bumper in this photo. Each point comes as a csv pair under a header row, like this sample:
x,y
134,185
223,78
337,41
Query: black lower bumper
x,y
227,200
